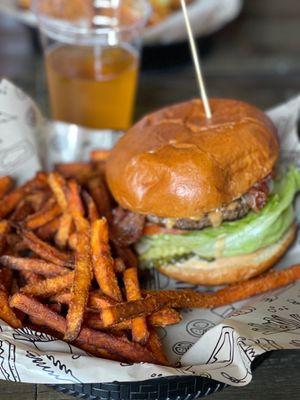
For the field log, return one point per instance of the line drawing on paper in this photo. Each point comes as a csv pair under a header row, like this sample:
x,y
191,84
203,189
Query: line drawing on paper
x,y
8,367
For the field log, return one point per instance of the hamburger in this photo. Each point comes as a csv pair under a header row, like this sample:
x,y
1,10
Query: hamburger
x,y
201,198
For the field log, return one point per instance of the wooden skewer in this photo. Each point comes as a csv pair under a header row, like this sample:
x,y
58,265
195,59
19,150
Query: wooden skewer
x,y
196,60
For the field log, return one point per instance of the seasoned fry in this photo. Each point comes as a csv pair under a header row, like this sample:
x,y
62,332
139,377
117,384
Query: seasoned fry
x,y
4,229
99,192
99,155
64,230
81,284
103,264
48,213
140,331
116,345
133,309
75,206
268,281
36,266
99,300
164,317
92,210
58,186
48,231
6,183
155,346
45,250
50,286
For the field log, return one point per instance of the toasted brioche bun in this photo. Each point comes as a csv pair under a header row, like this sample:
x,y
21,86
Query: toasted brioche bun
x,y
230,269
176,164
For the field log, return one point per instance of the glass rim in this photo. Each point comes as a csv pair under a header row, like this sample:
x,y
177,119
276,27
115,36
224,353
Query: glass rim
x,y
63,26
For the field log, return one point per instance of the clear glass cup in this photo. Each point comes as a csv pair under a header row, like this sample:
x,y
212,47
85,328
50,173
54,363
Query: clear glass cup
x,y
92,51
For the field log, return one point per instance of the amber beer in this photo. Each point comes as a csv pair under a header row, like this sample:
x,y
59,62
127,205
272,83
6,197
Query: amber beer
x,y
93,87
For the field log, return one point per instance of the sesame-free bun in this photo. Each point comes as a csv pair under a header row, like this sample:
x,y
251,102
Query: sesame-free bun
x,y
175,163
226,270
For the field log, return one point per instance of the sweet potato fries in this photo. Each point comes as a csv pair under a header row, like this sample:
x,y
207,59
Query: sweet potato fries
x,y
62,269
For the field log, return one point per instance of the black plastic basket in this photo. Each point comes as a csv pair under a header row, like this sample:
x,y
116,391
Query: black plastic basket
x,y
171,388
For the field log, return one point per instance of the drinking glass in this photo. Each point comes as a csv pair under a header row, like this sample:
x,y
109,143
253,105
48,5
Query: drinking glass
x,y
92,51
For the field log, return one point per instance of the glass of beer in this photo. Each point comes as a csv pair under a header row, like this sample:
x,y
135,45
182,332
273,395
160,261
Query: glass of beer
x,y
92,50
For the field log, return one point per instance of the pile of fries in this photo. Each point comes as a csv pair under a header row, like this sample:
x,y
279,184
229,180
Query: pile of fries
x,y
63,272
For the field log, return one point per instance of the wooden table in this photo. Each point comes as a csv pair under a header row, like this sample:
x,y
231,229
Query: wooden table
x,y
256,59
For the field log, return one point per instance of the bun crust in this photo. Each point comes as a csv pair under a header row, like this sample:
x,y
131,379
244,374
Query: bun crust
x,y
230,269
174,163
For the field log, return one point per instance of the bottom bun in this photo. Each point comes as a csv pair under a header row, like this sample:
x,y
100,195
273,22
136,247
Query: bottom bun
x,y
229,269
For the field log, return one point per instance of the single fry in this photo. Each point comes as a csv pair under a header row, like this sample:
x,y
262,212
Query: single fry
x,y
58,186
48,213
75,206
99,155
45,250
155,346
81,285
103,264
35,266
132,309
115,345
91,207
190,299
64,230
140,331
164,317
99,192
6,184
50,286
263,283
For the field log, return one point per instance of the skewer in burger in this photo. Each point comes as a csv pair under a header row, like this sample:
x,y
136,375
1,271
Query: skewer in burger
x,y
201,198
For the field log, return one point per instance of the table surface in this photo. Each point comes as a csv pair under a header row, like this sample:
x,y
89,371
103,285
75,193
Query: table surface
x,y
256,59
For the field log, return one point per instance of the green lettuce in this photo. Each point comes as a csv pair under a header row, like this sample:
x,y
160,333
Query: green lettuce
x,y
254,231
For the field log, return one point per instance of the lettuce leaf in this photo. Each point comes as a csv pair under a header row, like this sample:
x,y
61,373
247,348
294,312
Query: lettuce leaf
x,y
254,231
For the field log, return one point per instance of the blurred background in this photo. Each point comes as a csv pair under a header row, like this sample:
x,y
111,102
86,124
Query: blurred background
x,y
255,58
